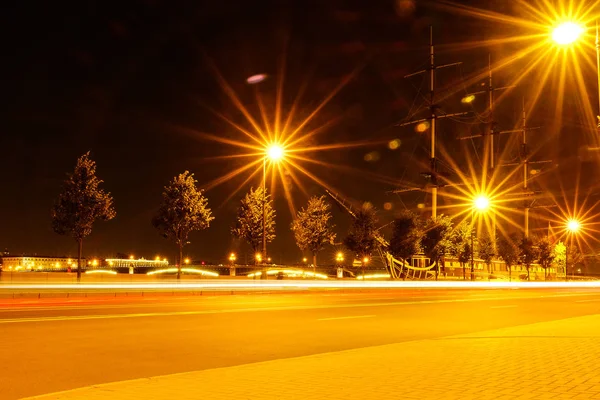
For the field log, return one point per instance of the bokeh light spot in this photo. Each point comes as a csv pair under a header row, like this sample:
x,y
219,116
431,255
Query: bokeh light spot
x,y
394,144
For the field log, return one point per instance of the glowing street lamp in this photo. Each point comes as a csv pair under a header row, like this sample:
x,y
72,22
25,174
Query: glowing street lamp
x,y
481,203
567,33
339,257
274,152
187,261
573,227
232,258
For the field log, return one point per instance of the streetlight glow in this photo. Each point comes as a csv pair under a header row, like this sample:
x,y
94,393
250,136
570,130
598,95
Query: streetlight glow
x,y
275,152
573,225
567,33
481,203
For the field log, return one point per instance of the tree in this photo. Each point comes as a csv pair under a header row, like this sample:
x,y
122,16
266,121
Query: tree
x,y
508,251
559,253
362,238
436,239
312,227
487,250
80,204
574,257
545,253
459,244
184,209
249,222
406,236
527,253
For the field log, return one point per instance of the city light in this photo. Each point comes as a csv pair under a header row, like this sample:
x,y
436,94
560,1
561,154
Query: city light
x,y
365,260
131,257
573,226
339,257
232,257
188,270
567,33
187,261
481,203
258,257
101,271
275,152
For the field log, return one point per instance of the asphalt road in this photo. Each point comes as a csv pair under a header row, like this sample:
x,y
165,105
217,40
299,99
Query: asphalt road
x,y
50,345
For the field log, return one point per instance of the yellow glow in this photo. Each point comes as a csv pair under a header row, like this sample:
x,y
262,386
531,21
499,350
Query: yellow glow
x,y
188,270
468,99
481,203
573,225
131,257
101,271
567,33
187,261
157,258
372,276
304,259
365,260
275,152
339,257
258,256
291,273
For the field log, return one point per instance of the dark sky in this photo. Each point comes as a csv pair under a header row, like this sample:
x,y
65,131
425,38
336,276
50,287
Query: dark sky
x,y
121,78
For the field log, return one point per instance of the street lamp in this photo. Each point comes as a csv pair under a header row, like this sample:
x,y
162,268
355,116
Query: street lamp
x,y
274,152
481,204
339,257
187,261
573,227
567,34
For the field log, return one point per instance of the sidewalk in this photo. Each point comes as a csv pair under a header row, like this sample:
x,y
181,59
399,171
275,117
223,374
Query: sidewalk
x,y
552,360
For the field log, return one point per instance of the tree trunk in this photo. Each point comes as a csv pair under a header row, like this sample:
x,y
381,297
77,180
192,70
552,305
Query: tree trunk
x,y
315,262
80,243
464,271
509,274
527,268
180,260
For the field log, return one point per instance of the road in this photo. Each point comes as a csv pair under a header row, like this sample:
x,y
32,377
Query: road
x,y
50,345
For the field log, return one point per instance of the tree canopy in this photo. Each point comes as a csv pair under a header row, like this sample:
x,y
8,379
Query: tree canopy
x,y
312,227
362,238
406,236
81,203
183,209
436,238
249,222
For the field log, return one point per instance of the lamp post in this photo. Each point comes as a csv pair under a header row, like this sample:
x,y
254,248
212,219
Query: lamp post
x,y
274,152
232,259
573,227
481,204
568,33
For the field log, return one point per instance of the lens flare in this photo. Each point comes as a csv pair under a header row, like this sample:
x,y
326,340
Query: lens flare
x,y
567,33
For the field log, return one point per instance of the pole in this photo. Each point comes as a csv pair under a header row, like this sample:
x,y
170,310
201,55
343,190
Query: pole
x,y
525,171
598,73
472,246
566,259
264,218
491,149
434,189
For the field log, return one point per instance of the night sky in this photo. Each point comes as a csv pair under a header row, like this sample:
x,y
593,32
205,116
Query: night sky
x,y
132,81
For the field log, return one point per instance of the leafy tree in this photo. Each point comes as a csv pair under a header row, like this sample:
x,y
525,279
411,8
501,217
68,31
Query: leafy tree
x,y
436,238
312,227
80,204
574,257
559,253
249,223
362,238
487,250
545,253
508,251
527,253
406,236
184,209
460,244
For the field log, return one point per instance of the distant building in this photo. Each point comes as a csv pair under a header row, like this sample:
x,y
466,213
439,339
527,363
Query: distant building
x,y
39,263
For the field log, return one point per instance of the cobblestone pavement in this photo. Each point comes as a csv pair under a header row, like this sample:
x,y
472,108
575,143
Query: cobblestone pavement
x,y
550,360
